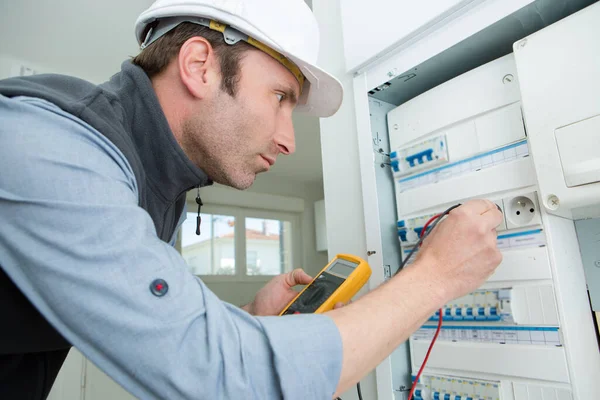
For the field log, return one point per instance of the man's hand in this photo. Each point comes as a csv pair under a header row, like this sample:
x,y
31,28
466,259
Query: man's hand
x,y
462,252
276,294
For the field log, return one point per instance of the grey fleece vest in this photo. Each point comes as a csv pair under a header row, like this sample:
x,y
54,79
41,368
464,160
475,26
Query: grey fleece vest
x,y
127,112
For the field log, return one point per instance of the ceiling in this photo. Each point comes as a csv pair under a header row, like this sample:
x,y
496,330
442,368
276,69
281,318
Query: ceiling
x,y
90,39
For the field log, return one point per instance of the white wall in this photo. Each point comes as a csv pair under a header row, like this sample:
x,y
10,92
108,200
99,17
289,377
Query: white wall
x,y
341,174
82,38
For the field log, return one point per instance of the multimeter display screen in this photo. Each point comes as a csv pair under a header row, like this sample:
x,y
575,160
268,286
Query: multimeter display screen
x,y
342,267
315,294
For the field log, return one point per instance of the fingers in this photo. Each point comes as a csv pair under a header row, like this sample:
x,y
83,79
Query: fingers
x,y
476,206
491,216
339,304
297,277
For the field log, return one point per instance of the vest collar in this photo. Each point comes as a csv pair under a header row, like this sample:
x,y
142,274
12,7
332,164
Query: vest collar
x,y
169,172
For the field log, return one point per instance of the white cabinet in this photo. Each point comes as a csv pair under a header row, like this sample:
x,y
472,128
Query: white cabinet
x,y
79,379
371,28
71,379
563,118
320,225
471,35
412,31
99,386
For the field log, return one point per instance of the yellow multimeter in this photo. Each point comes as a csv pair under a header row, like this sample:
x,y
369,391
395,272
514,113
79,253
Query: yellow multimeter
x,y
338,282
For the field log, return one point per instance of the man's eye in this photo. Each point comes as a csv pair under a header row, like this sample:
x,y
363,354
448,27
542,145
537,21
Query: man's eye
x,y
280,97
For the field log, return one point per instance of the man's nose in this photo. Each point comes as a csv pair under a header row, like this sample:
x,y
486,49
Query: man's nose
x,y
285,136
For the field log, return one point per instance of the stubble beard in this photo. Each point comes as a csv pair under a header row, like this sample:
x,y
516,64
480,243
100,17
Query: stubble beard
x,y
215,156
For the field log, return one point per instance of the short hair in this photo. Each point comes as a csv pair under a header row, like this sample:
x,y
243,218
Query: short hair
x,y
155,58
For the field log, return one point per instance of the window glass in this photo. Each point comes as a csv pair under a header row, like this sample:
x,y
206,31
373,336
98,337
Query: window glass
x,y
213,251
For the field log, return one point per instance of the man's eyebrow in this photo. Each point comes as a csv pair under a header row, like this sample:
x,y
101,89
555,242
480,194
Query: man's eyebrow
x,y
291,94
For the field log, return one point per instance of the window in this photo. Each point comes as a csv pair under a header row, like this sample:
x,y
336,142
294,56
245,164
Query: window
x,y
213,251
268,246
240,243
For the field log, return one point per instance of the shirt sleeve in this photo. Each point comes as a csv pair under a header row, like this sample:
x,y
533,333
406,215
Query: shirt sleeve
x,y
76,243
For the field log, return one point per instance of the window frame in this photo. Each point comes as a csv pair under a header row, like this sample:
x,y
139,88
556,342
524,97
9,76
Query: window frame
x,y
240,214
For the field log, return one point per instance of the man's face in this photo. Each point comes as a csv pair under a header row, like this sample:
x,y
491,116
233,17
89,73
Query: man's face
x,y
234,138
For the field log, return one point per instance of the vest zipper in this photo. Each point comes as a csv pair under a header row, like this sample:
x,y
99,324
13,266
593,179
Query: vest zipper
x,y
198,218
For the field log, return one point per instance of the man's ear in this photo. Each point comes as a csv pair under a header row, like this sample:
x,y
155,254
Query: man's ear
x,y
198,67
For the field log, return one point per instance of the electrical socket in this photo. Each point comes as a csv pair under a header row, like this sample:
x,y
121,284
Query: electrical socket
x,y
522,210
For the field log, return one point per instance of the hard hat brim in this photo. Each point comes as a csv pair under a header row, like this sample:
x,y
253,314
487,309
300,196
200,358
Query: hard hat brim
x,y
323,95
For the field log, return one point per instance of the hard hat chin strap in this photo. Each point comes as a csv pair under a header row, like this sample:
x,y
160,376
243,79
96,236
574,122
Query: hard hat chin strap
x,y
231,36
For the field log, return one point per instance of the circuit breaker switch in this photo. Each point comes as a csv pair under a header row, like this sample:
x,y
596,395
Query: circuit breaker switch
x,y
419,156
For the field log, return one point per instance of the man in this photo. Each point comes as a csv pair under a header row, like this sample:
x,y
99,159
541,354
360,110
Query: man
x,y
92,192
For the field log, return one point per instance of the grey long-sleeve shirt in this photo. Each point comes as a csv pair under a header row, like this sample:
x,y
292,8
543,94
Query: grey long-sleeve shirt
x,y
75,241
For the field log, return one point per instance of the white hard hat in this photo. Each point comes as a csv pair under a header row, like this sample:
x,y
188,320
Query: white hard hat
x,y
285,29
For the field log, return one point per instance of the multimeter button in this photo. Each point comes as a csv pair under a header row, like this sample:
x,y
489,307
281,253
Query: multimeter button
x,y
318,292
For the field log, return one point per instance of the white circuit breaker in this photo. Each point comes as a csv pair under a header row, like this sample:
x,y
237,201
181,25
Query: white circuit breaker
x,y
527,333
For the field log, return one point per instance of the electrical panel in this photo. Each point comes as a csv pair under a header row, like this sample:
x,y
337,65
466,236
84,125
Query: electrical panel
x,y
559,83
439,387
524,334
